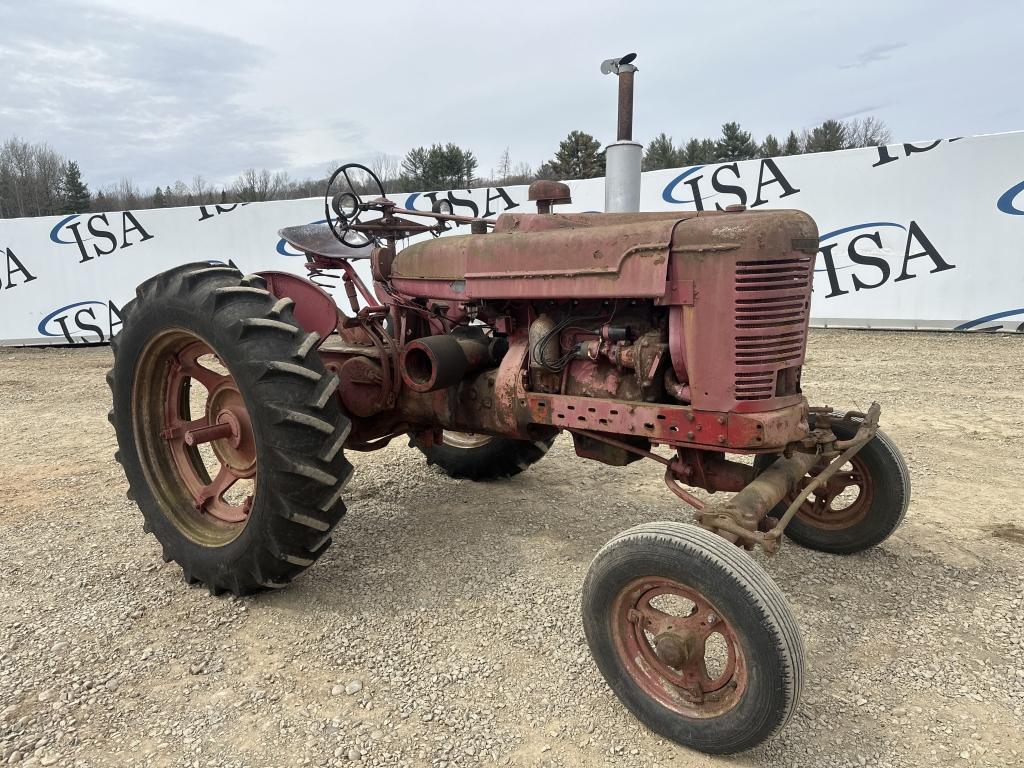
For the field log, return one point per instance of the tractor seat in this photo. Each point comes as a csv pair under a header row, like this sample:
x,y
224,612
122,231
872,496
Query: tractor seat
x,y
318,239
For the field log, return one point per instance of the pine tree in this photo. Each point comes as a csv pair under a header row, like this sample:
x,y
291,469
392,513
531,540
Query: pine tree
x,y
73,190
579,156
661,153
159,201
792,145
735,144
769,147
827,137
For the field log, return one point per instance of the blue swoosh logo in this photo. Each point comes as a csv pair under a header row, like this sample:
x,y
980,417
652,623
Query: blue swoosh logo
x,y
666,193
54,233
853,228
989,318
42,323
1005,203
410,202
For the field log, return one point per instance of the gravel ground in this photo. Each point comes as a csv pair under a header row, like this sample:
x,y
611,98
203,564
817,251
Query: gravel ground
x,y
443,628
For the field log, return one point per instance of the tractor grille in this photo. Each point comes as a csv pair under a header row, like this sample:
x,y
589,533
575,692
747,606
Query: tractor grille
x,y
772,302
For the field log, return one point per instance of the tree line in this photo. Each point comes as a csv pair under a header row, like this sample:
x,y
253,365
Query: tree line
x,y
36,180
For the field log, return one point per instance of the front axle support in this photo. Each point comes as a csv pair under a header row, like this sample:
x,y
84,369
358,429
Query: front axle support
x,y
740,517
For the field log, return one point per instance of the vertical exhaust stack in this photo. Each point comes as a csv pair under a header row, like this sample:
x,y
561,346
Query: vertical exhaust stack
x,y
623,158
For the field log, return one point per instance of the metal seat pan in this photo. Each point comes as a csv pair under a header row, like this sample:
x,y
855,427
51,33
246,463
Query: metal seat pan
x,y
318,239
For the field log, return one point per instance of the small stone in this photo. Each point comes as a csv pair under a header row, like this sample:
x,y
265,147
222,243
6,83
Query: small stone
x,y
377,734
49,759
337,690
353,687
353,754
14,758
111,685
46,695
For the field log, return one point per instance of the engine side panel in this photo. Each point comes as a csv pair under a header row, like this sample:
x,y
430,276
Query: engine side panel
x,y
622,260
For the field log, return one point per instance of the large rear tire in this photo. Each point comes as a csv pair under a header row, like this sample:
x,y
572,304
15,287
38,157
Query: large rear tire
x,y
202,349
693,637
482,457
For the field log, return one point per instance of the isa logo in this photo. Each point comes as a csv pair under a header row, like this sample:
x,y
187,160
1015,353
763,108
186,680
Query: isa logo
x,y
729,184
862,257
84,322
100,234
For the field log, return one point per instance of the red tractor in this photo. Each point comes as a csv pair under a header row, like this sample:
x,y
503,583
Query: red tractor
x,y
236,398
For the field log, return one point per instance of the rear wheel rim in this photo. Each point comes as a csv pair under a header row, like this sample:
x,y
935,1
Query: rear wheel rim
x,y
465,440
688,660
204,480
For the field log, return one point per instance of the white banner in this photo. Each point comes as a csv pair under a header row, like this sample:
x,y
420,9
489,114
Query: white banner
x,y
925,235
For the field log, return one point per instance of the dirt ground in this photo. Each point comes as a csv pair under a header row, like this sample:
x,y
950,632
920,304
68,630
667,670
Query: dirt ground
x,y
443,628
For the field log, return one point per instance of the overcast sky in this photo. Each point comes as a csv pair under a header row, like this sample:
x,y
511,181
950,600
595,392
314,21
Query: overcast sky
x,y
162,91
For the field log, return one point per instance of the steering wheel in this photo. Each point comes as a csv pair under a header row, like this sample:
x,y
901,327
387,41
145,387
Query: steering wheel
x,y
347,204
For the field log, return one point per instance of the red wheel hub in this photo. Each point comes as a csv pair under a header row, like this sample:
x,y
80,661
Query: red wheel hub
x,y
678,647
224,426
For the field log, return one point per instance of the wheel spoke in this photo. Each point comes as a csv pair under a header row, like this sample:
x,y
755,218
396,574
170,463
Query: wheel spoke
x,y
188,360
225,479
657,622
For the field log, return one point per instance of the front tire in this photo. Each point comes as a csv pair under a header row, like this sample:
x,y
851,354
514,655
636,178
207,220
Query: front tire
x,y
472,456
693,637
204,349
860,507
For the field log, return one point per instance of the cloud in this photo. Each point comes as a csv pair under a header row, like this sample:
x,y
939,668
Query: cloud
x,y
133,97
875,53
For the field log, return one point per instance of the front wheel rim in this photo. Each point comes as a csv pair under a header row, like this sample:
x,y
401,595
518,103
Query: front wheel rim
x,y
843,502
196,443
667,654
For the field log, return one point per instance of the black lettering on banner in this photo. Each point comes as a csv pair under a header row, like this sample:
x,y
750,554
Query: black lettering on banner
x,y
830,270
204,210
694,185
85,326
113,312
929,250
885,156
777,177
15,266
728,189
464,202
136,227
872,261
768,173
501,194
62,321
96,233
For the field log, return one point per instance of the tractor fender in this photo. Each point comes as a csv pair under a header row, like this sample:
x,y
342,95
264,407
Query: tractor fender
x,y
314,309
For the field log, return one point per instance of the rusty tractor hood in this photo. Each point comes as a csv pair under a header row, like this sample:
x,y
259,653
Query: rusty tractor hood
x,y
580,256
